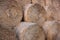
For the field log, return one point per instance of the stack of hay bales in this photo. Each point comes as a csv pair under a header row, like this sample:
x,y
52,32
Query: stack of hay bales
x,y
52,17
41,19
30,31
52,14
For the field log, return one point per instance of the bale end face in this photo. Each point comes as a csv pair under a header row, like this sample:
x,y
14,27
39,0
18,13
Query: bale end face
x,y
30,31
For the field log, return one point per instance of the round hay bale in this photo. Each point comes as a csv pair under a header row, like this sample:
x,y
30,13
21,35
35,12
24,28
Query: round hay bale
x,y
30,31
56,12
53,7
10,13
51,29
35,13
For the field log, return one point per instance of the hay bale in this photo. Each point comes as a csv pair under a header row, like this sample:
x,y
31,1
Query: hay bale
x,y
51,29
56,12
35,13
47,4
52,8
10,13
6,34
30,31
